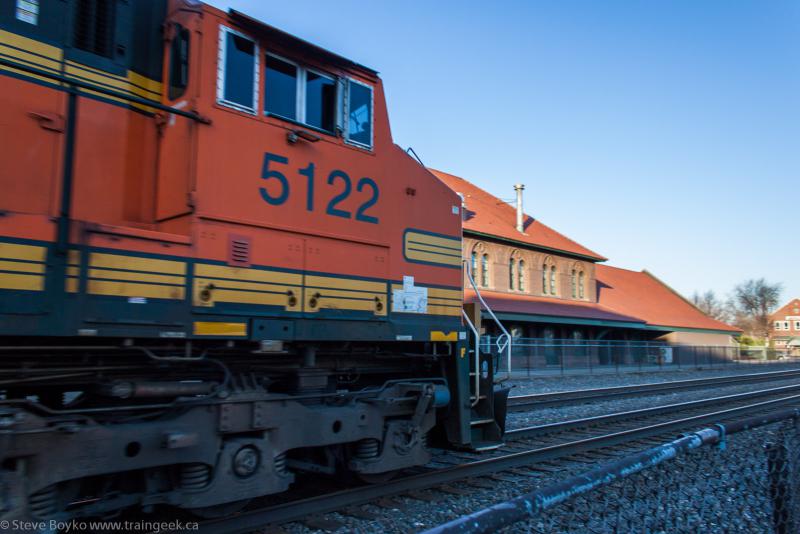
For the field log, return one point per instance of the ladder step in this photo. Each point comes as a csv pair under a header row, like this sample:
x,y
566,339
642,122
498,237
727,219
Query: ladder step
x,y
480,397
479,422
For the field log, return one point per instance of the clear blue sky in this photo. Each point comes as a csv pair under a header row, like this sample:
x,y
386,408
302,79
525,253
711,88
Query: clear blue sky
x,y
663,135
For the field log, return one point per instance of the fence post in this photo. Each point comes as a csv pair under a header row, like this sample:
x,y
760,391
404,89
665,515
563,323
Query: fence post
x,y
779,487
528,360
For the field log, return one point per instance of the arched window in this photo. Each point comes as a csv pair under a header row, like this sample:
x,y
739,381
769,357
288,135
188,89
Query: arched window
x,y
485,270
521,275
511,274
474,264
544,279
574,279
581,285
553,280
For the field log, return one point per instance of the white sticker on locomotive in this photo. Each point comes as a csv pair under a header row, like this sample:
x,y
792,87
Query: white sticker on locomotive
x,y
28,11
410,299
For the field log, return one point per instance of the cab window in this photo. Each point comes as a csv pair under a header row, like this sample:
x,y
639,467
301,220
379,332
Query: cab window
x,y
280,96
359,113
238,71
320,101
179,63
299,94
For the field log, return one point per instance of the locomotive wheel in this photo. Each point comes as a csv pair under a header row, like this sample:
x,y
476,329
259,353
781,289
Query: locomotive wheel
x,y
220,510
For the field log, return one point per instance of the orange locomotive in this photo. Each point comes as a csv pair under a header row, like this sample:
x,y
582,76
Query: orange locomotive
x,y
217,271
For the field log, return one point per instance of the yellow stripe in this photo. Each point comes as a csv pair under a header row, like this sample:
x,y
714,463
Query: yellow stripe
x,y
144,87
103,78
22,267
22,56
29,75
25,43
73,271
220,329
434,248
433,258
452,294
127,289
248,297
22,282
22,252
71,285
136,277
343,293
345,283
150,85
347,304
453,244
114,261
248,286
443,310
74,257
437,335
244,274
94,70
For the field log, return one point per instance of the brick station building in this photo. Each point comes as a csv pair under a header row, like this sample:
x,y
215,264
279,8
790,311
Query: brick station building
x,y
544,286
785,328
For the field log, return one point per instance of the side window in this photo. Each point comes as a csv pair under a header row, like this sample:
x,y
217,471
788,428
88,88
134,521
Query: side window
x,y
300,94
179,63
359,114
237,80
320,94
93,27
280,93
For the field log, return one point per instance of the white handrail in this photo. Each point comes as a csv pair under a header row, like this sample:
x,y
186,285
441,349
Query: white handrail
x,y
507,345
477,357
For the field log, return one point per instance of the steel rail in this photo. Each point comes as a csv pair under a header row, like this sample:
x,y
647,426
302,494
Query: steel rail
x,y
561,398
301,509
563,426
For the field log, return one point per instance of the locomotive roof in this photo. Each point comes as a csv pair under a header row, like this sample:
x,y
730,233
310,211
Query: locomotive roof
x,y
289,40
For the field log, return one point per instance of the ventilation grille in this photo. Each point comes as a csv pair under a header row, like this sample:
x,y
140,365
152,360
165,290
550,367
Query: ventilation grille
x,y
93,27
239,250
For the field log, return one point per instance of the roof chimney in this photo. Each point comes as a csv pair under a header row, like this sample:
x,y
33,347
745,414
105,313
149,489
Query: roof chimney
x,y
518,188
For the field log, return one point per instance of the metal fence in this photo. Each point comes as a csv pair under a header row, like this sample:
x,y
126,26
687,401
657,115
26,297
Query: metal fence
x,y
731,478
560,356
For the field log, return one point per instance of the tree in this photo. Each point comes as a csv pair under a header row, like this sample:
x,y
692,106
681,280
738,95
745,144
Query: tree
x,y
755,300
709,304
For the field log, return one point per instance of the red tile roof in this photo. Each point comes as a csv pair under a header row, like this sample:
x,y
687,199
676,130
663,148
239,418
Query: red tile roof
x,y
790,308
642,295
527,304
488,214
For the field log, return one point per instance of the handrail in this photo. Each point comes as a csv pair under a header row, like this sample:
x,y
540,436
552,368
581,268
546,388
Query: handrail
x,y
500,346
477,357
102,90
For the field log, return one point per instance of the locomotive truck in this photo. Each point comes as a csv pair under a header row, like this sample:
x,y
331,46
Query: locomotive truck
x,y
217,270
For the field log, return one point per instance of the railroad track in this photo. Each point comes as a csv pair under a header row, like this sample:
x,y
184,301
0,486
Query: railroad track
x,y
552,442
563,398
